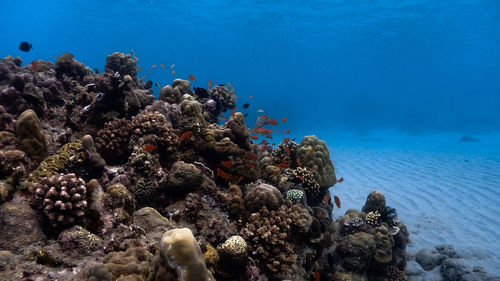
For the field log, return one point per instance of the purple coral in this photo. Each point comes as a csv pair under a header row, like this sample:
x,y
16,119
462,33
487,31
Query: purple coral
x,y
63,198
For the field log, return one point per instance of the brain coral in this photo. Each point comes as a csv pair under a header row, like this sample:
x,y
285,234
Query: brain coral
x,y
314,154
63,198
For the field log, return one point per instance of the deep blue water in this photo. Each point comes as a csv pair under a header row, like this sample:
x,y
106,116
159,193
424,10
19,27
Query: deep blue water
x,y
326,65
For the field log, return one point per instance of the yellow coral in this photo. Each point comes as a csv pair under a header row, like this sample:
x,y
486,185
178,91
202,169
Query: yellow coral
x,y
373,218
211,256
234,247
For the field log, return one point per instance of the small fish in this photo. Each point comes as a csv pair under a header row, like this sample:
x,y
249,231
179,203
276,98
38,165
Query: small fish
x,y
282,165
286,140
340,180
287,150
230,86
254,137
33,64
157,85
25,46
288,131
191,77
302,178
251,166
209,84
264,142
260,110
173,72
172,66
233,113
186,135
222,174
284,119
264,148
149,148
269,136
132,52
240,179
65,57
246,105
272,122
298,162
251,156
325,199
337,201
226,164
245,115
162,65
153,66
317,276
96,70
320,214
273,144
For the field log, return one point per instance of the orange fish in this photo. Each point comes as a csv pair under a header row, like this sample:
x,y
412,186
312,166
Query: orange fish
x,y
283,120
269,136
288,131
240,179
226,164
320,214
251,165
302,178
173,72
153,66
287,150
277,131
286,140
149,148
162,65
340,180
298,162
186,135
251,97
263,149
191,77
33,64
273,144
317,276
252,156
254,137
325,199
233,113
209,84
264,142
337,201
222,174
272,122
282,165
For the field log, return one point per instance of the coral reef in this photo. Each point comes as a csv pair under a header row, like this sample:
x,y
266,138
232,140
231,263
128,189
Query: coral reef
x,y
100,181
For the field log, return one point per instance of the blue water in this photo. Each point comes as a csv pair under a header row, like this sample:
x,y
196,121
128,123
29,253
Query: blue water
x,y
415,66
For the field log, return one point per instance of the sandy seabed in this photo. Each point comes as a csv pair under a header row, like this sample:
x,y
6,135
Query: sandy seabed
x,y
446,191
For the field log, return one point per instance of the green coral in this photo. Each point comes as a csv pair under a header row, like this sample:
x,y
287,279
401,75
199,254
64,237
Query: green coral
x,y
314,154
295,195
68,155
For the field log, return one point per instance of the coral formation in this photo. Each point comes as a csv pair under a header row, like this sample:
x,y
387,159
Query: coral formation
x,y
177,188
63,198
30,136
180,246
314,154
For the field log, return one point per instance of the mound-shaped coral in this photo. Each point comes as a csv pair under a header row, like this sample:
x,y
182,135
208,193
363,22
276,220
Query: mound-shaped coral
x,y
30,136
263,195
63,198
314,154
112,140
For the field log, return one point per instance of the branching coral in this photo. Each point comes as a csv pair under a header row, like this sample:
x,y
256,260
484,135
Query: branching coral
x,y
270,232
63,198
112,140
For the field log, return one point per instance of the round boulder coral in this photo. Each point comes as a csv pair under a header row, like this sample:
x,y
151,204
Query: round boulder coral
x,y
314,154
234,248
263,195
63,198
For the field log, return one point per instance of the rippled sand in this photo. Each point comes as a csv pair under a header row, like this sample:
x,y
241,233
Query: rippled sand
x,y
445,191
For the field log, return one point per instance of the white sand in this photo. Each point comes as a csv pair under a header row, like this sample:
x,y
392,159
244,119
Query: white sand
x,y
445,191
